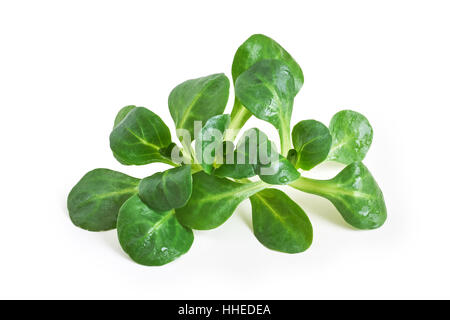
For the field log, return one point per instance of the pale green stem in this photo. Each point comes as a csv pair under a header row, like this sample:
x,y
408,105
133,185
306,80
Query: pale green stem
x,y
317,187
285,141
239,116
254,187
187,150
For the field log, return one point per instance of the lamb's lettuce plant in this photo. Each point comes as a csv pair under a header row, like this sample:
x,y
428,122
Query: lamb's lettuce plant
x,y
210,173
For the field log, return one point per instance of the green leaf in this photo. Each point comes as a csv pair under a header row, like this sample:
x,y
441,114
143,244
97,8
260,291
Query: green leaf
x,y
312,142
149,237
139,138
95,200
267,89
198,100
256,48
167,151
277,172
214,200
355,194
260,47
167,190
352,136
209,139
279,223
122,114
255,154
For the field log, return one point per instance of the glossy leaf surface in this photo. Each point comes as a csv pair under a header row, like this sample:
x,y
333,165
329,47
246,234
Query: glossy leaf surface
x,y
355,194
95,200
139,137
214,200
256,48
352,136
279,223
167,190
260,47
149,237
198,100
277,172
119,117
267,89
312,142
211,138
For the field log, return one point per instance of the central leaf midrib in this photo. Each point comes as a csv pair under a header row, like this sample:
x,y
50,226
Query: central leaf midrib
x,y
192,104
143,141
278,217
271,88
108,194
160,222
249,187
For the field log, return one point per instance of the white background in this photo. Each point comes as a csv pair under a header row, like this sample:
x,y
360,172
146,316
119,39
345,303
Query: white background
x,y
67,67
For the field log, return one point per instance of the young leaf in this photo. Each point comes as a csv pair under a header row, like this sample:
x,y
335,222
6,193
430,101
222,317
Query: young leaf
x,y
352,136
95,200
255,154
214,200
167,190
278,172
355,194
260,47
198,100
151,238
256,48
267,89
211,138
279,223
312,142
139,137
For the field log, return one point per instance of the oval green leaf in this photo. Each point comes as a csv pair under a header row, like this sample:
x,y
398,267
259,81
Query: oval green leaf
x,y
267,89
355,194
312,141
279,223
260,47
95,200
214,200
209,139
167,190
139,137
151,238
256,48
198,100
352,136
